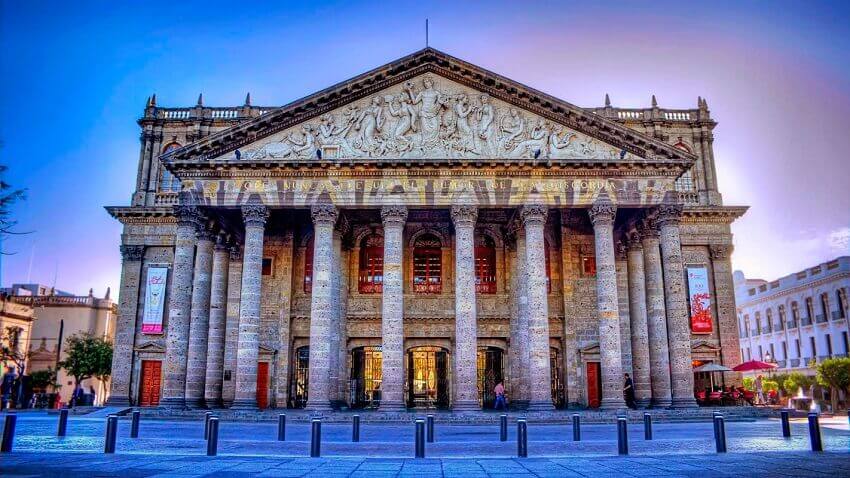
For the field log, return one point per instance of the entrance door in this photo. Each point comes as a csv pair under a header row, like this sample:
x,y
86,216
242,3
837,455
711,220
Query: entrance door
x,y
427,378
557,377
262,385
490,372
151,381
300,376
366,377
594,385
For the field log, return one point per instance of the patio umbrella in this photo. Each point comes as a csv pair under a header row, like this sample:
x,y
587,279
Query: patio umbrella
x,y
710,368
753,365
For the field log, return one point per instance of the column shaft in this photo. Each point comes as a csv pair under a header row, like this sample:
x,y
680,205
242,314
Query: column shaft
x,y
199,317
217,325
519,392
724,293
637,314
231,328
539,383
656,316
321,307
466,322
125,327
392,310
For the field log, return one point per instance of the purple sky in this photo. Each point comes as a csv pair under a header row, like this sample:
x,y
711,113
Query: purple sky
x,y
75,78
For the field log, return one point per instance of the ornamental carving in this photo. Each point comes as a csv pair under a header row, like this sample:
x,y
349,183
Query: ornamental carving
x,y
188,215
255,215
235,253
720,251
430,117
132,253
394,215
534,214
602,214
669,214
325,214
222,242
464,215
633,240
647,228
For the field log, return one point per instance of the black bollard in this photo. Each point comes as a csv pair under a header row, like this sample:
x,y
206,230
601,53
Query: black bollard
x,y
212,436
316,438
622,436
207,417
720,433
63,422
355,428
111,433
8,432
429,425
420,438
134,425
576,427
814,432
522,438
786,424
281,427
503,428
647,426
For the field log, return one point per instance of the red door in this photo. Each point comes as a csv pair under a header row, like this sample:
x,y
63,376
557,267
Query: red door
x,y
594,384
151,381
263,385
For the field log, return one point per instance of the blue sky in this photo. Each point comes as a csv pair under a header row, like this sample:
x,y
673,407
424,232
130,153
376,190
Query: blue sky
x,y
75,79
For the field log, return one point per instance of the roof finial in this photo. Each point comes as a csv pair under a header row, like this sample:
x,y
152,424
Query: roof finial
x,y
607,100
153,100
201,99
426,33
248,99
148,102
654,102
704,104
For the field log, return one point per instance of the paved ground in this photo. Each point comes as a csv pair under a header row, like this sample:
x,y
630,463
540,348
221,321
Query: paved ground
x,y
176,448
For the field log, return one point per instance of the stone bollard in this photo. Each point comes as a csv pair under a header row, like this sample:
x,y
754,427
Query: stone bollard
x,y
576,427
419,438
503,428
8,432
786,423
63,423
111,433
355,429
212,437
429,425
814,432
281,427
316,438
522,438
647,426
134,425
622,436
207,417
720,433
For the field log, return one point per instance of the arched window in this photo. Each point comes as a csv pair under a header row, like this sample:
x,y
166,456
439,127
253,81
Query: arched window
x,y
841,300
485,265
167,181
782,317
371,273
769,319
758,323
308,267
824,305
795,313
427,265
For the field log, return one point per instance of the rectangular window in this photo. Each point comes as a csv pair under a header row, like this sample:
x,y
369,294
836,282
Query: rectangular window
x,y
308,268
588,265
784,350
485,270
267,266
427,270
772,352
761,353
371,278
846,344
813,346
797,347
828,345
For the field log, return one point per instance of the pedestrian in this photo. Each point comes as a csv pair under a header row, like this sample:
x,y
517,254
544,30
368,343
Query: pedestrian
x,y
6,388
76,395
499,390
629,392
759,391
93,394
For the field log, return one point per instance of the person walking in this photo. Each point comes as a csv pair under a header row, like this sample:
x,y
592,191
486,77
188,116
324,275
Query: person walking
x,y
629,392
499,391
759,391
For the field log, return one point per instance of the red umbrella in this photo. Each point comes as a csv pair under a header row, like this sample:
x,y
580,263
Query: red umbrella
x,y
754,365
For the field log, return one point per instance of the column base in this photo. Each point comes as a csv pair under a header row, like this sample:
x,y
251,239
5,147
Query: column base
x,y
114,401
540,406
643,402
214,403
245,404
196,404
466,406
318,406
392,406
173,403
661,402
684,402
612,404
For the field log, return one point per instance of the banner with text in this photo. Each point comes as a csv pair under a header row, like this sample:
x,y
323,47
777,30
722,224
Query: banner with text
x,y
700,300
154,300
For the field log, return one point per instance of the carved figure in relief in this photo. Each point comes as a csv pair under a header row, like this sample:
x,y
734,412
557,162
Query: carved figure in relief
x,y
462,110
306,146
512,124
535,145
559,145
487,141
331,134
406,115
368,125
431,102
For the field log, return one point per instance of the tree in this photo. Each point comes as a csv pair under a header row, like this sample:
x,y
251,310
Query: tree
x,y
8,196
88,356
796,381
44,379
835,374
11,350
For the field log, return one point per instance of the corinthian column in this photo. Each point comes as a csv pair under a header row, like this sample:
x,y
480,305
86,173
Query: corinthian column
x,y
392,310
179,305
678,327
724,298
218,313
321,307
254,216
656,315
519,391
637,314
466,322
125,328
196,364
602,217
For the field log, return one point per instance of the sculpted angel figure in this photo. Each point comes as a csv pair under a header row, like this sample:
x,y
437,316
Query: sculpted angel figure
x,y
537,142
513,124
305,147
431,102
486,129
331,134
557,144
462,110
368,124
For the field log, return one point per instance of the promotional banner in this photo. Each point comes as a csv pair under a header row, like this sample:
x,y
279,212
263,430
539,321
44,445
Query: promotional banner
x,y
700,300
154,300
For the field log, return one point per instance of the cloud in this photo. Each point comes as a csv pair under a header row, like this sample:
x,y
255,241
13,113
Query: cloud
x,y
839,240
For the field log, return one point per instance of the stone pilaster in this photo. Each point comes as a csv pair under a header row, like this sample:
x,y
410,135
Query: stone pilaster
x,y
622,268
231,328
125,327
533,218
334,371
519,392
466,321
179,306
217,324
199,317
678,326
637,314
392,310
656,316
321,307
724,299
283,273
602,217
254,216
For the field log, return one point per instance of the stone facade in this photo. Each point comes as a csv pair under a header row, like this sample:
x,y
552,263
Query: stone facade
x,y
416,241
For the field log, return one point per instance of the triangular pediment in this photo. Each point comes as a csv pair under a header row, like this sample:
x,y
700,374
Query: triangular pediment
x,y
429,105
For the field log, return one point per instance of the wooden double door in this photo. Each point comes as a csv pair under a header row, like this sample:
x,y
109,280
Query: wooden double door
x,y
150,383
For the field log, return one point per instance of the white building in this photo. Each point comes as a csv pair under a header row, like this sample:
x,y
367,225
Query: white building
x,y
796,320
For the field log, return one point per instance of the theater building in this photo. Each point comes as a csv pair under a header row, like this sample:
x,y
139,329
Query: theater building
x,y
412,236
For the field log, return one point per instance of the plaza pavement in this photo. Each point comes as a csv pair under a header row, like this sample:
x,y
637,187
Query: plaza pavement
x,y
177,448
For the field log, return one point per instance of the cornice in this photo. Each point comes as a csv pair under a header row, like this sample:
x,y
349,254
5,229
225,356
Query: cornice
x,y
712,214
143,214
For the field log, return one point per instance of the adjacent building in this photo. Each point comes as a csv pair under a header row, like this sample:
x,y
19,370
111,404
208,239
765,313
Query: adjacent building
x,y
412,236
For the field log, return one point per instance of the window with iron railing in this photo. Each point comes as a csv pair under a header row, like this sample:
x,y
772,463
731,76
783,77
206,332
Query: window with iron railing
x,y
370,278
427,265
485,269
308,268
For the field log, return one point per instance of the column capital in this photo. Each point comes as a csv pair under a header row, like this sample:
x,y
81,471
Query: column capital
x,y
633,238
222,241
343,225
394,215
187,215
236,252
720,251
324,214
204,232
255,215
533,214
668,215
132,253
602,214
464,215
620,250
647,228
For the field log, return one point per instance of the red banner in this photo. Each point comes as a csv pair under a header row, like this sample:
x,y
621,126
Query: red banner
x,y
701,322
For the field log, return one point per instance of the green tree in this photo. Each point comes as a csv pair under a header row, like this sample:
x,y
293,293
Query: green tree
x,y
835,374
8,197
88,356
796,381
11,349
44,379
